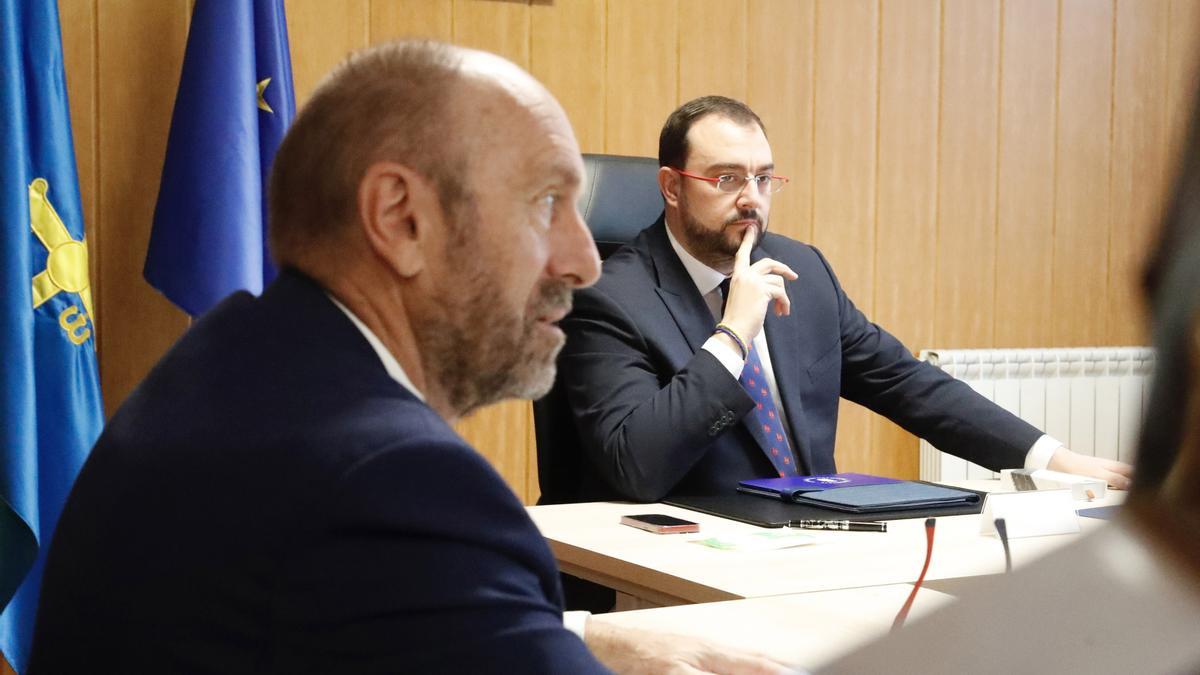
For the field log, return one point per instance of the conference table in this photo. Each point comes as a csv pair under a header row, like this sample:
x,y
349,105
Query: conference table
x,y
665,570
804,605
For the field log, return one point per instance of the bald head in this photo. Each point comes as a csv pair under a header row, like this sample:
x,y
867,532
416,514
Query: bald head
x,y
431,189
418,103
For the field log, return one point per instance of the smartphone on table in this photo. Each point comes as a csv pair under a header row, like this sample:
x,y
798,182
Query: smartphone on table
x,y
659,523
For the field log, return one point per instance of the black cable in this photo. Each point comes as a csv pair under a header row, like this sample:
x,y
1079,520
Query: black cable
x,y
1002,530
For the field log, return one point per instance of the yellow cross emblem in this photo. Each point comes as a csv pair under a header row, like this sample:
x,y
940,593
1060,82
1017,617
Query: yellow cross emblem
x,y
66,266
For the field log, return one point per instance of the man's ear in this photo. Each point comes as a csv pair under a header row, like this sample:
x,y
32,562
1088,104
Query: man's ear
x,y
397,208
668,183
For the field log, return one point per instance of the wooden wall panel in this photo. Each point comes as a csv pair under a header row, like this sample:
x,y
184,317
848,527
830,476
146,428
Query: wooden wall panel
x,y
906,211
844,154
1139,159
641,81
1023,314
321,34
712,49
411,18
781,51
965,287
981,173
1183,36
1082,204
499,27
136,94
567,55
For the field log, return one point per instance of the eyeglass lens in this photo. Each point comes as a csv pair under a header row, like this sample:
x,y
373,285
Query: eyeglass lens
x,y
764,183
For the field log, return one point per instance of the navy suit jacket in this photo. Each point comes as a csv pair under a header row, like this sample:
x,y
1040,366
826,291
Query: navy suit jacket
x,y
269,500
657,415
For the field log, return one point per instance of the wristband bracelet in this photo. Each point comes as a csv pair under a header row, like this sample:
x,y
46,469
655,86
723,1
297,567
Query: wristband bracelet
x,y
722,328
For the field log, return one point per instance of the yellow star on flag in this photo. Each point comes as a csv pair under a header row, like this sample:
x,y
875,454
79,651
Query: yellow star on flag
x,y
262,102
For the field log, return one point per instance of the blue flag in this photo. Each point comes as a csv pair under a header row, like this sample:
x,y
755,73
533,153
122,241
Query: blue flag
x,y
50,409
234,104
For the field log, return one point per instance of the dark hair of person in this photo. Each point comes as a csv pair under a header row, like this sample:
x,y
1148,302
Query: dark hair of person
x,y
672,141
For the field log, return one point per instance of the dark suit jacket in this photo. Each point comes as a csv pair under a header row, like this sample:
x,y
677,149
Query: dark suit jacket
x,y
657,415
269,500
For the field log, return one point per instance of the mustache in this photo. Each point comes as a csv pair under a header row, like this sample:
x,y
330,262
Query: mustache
x,y
553,297
747,214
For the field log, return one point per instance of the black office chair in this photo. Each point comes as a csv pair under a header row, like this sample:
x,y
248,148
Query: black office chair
x,y
620,198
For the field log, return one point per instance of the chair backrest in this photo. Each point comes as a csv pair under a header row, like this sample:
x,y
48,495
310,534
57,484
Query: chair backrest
x,y
620,198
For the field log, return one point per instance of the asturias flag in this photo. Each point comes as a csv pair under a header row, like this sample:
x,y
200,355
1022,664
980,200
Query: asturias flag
x,y
235,102
50,410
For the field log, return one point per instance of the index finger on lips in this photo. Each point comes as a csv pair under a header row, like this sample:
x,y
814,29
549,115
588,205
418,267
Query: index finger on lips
x,y
741,260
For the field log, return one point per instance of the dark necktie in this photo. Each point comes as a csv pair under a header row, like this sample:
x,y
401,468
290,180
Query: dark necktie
x,y
764,421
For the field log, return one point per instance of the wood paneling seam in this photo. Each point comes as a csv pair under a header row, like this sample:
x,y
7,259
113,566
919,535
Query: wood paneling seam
x,y
97,172
878,143
999,154
1054,199
1112,134
937,162
812,135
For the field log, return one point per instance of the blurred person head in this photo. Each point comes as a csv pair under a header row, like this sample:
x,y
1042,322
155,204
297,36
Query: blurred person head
x,y
431,189
1168,461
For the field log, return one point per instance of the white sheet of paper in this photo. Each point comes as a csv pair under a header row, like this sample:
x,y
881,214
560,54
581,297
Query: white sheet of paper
x,y
1034,513
763,540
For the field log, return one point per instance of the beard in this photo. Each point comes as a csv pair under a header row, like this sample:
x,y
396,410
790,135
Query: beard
x,y
482,350
717,247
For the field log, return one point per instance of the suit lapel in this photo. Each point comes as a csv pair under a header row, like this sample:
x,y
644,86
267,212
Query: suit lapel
x,y
783,341
677,290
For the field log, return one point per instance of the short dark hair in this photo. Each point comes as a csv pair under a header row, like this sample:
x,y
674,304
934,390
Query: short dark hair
x,y
388,102
672,141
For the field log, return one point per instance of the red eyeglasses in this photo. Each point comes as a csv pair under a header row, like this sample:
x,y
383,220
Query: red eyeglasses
x,y
732,183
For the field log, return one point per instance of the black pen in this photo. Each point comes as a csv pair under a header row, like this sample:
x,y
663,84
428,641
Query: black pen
x,y
848,525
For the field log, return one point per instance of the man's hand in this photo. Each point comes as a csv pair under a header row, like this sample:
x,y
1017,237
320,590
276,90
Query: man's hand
x,y
752,288
1115,473
637,652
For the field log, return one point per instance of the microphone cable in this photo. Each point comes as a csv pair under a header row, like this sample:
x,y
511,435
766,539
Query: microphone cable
x,y
903,613
1002,530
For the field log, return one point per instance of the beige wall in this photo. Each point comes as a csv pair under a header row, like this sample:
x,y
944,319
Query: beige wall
x,y
979,172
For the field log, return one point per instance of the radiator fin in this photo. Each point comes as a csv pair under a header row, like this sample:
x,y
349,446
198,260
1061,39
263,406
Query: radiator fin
x,y
1090,398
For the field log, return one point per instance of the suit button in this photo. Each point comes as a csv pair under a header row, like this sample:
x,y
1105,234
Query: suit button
x,y
714,429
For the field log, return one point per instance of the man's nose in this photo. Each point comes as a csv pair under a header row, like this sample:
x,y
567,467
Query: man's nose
x,y
573,255
750,196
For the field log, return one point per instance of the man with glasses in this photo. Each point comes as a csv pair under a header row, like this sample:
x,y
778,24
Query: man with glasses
x,y
680,380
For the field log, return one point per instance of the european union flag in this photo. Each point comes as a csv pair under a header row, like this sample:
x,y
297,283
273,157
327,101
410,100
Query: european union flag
x,y
50,410
234,104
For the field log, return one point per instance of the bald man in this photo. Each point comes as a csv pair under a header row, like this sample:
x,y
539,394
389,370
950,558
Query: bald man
x,y
284,492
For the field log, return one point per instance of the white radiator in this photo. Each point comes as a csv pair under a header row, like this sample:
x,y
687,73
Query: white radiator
x,y
1091,398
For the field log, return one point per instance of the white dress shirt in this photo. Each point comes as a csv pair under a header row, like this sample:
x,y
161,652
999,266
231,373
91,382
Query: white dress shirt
x,y
708,282
574,621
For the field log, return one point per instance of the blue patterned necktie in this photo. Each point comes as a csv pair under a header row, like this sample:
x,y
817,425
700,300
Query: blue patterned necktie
x,y
763,421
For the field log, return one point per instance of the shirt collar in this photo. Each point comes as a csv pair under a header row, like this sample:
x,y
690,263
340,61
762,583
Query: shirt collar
x,y
706,278
390,364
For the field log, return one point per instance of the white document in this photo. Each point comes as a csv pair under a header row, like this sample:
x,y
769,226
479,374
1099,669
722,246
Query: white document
x,y
1034,513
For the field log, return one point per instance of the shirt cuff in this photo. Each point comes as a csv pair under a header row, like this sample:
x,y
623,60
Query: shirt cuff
x,y
732,360
1041,452
576,621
